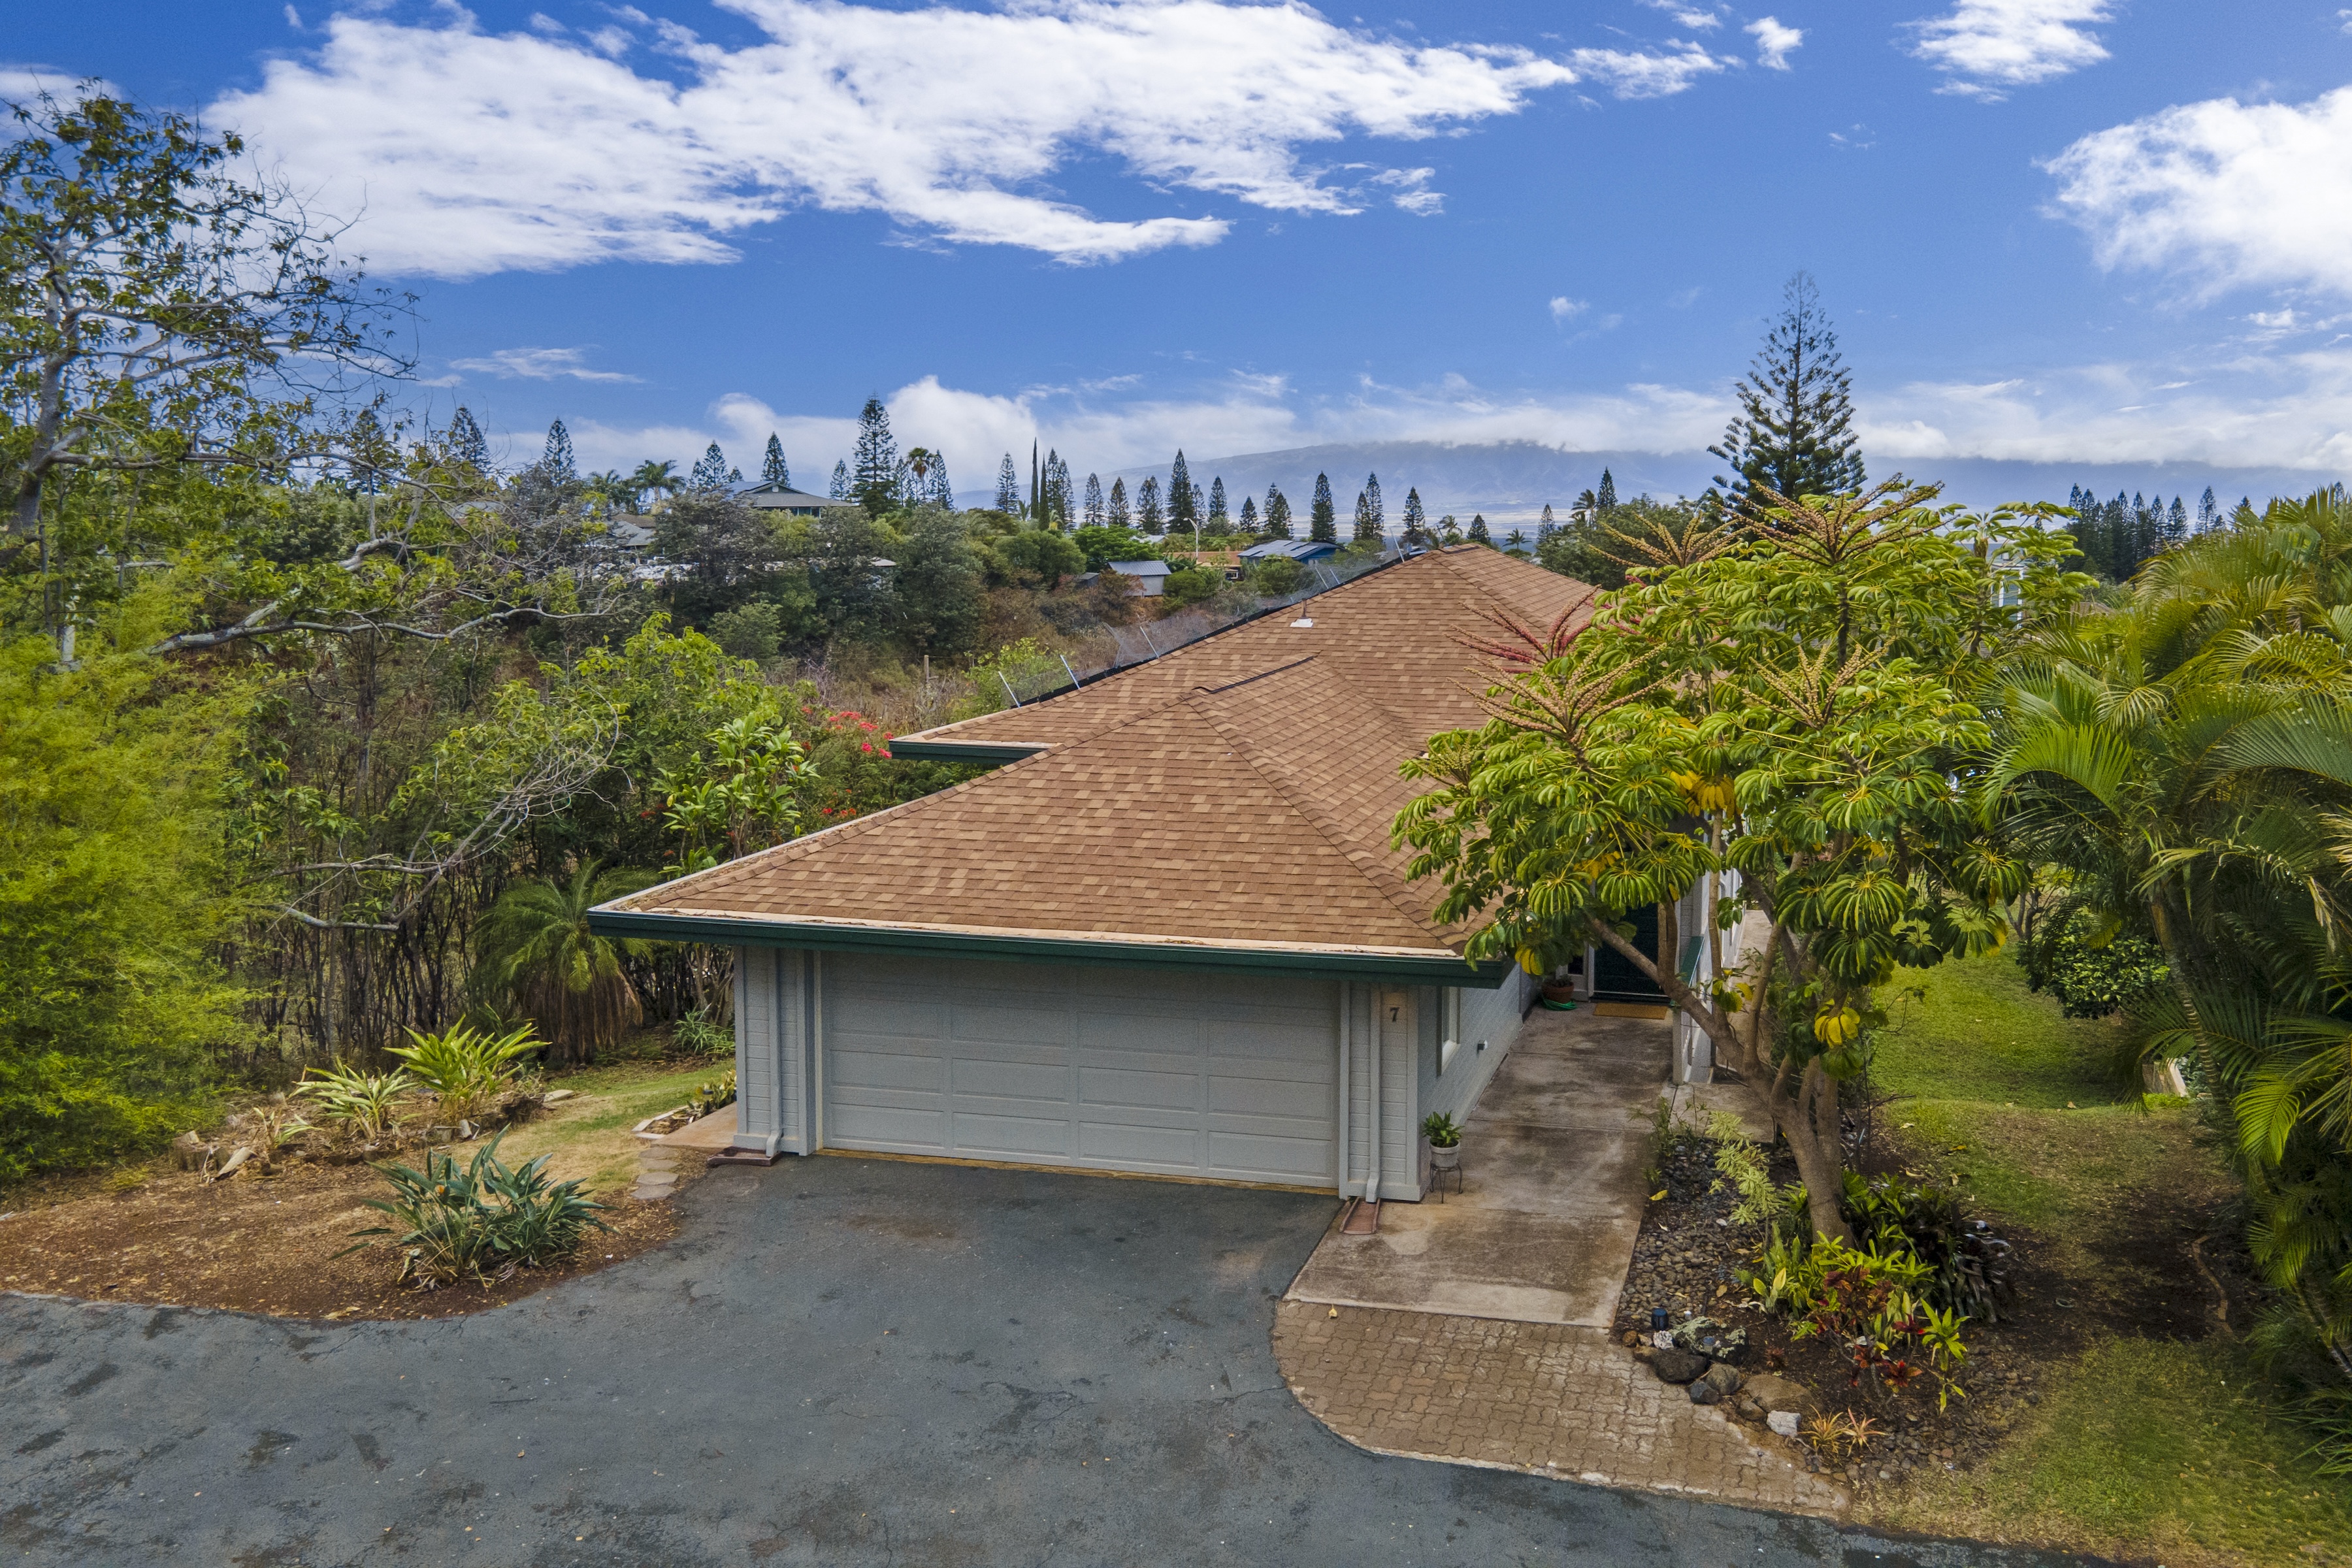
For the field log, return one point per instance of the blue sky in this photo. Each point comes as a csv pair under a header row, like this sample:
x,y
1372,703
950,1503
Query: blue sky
x,y
2069,231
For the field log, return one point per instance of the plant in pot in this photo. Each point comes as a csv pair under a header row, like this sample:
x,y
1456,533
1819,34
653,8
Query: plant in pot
x,y
1445,1135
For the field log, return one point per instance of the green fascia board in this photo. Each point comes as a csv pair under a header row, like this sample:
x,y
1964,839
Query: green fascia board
x,y
721,932
962,751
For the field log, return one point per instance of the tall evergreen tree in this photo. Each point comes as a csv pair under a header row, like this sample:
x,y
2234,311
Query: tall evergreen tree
x,y
710,470
467,445
1036,481
1479,535
1605,498
1794,432
1148,517
1380,507
1182,513
1545,529
874,461
1217,517
1094,500
555,462
1008,488
1057,491
1323,522
839,489
1416,521
1247,521
942,491
2175,523
2209,510
1277,512
1368,527
1119,517
772,468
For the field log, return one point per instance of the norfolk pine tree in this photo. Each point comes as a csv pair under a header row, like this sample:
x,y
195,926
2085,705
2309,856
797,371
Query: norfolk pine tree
x,y
711,469
1119,516
839,489
555,463
1323,522
467,445
1277,512
874,461
1148,515
772,469
1218,521
1793,435
1008,488
1416,520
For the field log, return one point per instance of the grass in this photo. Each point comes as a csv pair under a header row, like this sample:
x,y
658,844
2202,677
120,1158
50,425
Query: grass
x,y
589,1136
2151,1447
1969,1029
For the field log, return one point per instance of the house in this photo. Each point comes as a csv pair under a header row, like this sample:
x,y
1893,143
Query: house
x,y
1167,933
1150,576
772,496
1299,550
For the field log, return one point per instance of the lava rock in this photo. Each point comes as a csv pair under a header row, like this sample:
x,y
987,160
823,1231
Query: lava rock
x,y
1704,1393
1724,1380
1776,1393
1678,1366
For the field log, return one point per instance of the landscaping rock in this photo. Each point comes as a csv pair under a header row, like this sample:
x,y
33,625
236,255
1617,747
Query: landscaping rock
x,y
1677,1365
191,1152
1724,1380
234,1162
1783,1422
1774,1392
1704,1393
557,1096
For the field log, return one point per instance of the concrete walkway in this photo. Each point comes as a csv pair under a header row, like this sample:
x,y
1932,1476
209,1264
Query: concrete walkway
x,y
1477,1329
1543,1229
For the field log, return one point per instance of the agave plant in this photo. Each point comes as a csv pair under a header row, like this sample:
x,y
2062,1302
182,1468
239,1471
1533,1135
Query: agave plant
x,y
465,1067
366,1102
479,1220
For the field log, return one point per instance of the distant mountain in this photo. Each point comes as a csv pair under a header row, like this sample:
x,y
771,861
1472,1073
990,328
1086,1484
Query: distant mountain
x,y
1512,481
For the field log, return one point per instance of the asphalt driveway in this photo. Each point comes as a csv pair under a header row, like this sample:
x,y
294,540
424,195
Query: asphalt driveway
x,y
839,1361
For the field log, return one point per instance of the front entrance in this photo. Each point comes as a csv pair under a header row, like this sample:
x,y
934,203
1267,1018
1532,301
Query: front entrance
x,y
1614,978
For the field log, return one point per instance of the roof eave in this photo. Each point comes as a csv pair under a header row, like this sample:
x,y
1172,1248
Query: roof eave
x,y
1433,969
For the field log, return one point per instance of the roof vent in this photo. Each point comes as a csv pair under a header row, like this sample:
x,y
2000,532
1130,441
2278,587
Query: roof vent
x,y
1304,621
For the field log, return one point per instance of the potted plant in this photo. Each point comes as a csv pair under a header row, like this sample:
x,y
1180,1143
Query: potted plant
x,y
1445,1135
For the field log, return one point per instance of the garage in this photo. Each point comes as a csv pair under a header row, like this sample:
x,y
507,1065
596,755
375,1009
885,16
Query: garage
x,y
1108,1069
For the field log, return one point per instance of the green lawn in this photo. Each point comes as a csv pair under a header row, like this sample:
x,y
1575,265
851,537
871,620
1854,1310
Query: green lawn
x,y
2142,1448
589,1135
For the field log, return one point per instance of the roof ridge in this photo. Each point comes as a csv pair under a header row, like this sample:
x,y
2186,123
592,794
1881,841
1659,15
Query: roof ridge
x,y
1391,887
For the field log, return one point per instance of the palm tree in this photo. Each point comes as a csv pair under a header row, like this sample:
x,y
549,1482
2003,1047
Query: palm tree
x,y
614,487
534,951
659,479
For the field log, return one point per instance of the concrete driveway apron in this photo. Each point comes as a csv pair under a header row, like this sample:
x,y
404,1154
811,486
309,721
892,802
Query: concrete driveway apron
x,y
838,1361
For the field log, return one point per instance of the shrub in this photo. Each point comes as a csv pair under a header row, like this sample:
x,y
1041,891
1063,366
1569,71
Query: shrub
x,y
1442,1130
711,1096
2092,968
1969,1258
696,1035
455,1224
1191,585
463,1068
1277,577
366,1102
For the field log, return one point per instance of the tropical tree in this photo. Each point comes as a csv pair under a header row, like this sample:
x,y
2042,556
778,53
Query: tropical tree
x,y
654,480
534,951
1783,722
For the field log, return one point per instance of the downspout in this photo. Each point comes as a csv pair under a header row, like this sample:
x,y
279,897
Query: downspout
x,y
1373,1139
1347,1106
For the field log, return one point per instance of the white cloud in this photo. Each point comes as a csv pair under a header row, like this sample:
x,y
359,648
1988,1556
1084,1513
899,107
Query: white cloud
x,y
2228,194
25,83
1564,308
1686,16
1985,46
486,152
1774,42
539,364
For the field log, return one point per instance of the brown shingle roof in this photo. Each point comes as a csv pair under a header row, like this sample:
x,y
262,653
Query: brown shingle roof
x,y
1233,795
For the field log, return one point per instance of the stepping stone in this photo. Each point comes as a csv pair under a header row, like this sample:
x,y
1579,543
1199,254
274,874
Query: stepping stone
x,y
652,1194
658,1179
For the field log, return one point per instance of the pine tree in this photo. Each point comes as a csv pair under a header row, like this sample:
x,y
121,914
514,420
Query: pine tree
x,y
773,470
1277,512
1604,500
874,461
1148,515
2209,510
1035,481
1323,522
942,492
1118,513
1379,508
1416,521
1247,523
1057,491
1008,486
710,470
1182,513
1218,521
1545,528
1794,432
1479,535
467,446
555,463
839,489
1094,500
734,475
2175,523
1368,528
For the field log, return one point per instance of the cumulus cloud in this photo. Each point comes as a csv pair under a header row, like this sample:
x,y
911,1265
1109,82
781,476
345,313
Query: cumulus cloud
x,y
539,364
1774,42
1986,46
1564,308
1687,15
2226,194
485,152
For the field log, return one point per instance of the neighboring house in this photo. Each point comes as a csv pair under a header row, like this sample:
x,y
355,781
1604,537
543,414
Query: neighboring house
x,y
1152,575
1299,550
773,497
1169,934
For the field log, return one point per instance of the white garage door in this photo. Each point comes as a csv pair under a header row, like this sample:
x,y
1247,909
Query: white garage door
x,y
1109,1069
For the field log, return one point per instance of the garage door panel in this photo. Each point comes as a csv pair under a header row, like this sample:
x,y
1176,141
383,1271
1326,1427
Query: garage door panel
x,y
1147,1071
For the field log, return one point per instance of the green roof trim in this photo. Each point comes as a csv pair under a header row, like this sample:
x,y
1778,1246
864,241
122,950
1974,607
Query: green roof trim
x,y
725,931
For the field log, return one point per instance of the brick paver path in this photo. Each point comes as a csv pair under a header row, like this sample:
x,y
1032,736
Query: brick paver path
x,y
1552,1399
